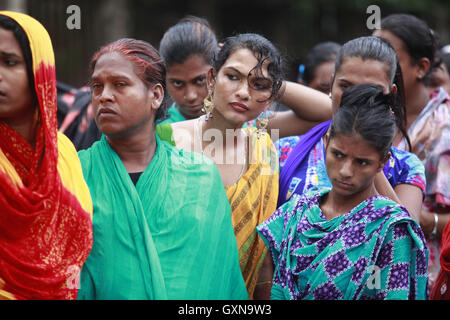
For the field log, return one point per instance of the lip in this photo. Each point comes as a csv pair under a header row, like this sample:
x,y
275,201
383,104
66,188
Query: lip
x,y
2,96
344,185
105,110
239,107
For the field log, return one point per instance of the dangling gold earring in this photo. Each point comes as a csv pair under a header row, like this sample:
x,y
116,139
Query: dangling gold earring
x,y
208,106
261,123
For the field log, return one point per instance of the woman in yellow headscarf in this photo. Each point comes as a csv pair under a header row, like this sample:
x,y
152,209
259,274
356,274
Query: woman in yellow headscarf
x,y
46,209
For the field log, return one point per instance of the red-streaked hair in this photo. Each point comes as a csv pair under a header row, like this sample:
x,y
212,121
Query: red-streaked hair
x,y
149,66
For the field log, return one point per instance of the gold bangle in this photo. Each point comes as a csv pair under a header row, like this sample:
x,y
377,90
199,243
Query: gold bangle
x,y
263,282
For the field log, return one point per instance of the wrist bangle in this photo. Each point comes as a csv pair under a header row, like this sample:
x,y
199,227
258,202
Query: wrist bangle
x,y
263,282
436,220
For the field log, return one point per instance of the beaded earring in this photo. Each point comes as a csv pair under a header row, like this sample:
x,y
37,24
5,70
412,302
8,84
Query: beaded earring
x,y
208,106
261,123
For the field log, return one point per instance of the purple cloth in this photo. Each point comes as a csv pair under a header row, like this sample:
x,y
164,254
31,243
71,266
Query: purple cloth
x,y
297,156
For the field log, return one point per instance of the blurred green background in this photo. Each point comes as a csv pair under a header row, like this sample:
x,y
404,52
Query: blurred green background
x,y
293,25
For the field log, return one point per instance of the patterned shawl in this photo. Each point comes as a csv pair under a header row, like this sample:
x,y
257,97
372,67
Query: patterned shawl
x,y
430,139
45,217
375,251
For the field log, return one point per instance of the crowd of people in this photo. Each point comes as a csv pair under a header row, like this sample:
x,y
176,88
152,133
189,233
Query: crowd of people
x,y
175,175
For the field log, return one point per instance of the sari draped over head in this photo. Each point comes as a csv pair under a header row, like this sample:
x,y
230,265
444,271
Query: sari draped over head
x,y
374,251
167,237
45,215
253,199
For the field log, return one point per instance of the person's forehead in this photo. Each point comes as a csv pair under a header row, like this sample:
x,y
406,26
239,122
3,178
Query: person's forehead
x,y
353,145
192,68
114,63
359,71
244,60
9,43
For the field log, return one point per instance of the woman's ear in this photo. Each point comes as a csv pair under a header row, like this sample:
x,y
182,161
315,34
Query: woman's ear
x,y
423,65
383,162
157,94
210,79
332,81
394,89
326,139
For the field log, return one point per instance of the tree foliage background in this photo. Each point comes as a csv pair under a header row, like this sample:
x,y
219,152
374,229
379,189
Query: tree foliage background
x,y
293,25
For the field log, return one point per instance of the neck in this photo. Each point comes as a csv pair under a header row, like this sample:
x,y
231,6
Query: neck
x,y
338,204
136,151
227,129
186,116
416,101
25,125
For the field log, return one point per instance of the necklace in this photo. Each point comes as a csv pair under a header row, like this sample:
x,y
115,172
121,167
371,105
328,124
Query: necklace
x,y
198,139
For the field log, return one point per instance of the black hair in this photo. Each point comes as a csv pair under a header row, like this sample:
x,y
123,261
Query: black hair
x,y
444,57
8,23
263,49
190,36
147,61
369,48
419,40
365,110
319,54
378,49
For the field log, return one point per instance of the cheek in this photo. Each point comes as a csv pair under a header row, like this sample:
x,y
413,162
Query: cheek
x,y
367,176
202,91
175,93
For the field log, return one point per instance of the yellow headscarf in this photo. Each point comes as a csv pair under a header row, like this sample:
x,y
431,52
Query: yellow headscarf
x,y
45,221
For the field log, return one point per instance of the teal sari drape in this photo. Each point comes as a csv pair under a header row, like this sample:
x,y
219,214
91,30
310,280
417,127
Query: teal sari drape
x,y
168,237
374,251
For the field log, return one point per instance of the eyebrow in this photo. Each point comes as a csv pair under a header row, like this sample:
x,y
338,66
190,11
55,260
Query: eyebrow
x,y
333,149
9,55
200,76
234,69
346,81
114,77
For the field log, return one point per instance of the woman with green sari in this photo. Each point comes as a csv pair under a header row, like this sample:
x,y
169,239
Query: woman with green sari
x,y
162,222
349,242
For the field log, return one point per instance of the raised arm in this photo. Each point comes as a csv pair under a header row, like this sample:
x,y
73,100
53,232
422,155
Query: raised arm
x,y
308,107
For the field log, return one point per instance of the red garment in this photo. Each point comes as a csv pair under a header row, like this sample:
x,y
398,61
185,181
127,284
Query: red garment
x,y
441,287
45,233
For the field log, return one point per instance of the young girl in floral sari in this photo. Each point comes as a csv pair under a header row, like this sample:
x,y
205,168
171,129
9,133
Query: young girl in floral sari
x,y
349,242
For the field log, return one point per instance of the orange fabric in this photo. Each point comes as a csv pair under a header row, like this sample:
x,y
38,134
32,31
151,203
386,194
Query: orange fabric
x,y
45,219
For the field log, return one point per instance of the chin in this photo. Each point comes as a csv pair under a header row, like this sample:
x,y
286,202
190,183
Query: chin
x,y
237,117
108,129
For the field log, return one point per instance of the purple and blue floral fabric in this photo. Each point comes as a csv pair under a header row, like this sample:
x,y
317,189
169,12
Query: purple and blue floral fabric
x,y
375,251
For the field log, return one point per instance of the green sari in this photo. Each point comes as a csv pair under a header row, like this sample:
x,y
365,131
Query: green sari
x,y
173,115
168,237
